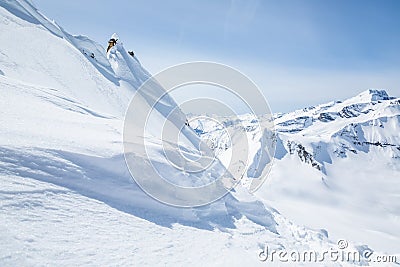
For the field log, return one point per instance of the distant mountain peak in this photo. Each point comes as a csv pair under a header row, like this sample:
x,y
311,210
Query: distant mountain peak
x,y
373,95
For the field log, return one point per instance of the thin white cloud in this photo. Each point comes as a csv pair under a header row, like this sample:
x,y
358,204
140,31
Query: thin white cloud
x,y
239,15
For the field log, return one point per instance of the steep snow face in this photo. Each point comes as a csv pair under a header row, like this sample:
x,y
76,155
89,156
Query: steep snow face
x,y
66,94
63,101
337,166
73,69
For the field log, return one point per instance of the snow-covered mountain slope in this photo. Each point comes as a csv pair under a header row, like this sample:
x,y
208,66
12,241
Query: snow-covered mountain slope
x,y
60,102
337,166
66,194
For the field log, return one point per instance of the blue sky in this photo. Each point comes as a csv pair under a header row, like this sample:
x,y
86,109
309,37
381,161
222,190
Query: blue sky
x,y
298,52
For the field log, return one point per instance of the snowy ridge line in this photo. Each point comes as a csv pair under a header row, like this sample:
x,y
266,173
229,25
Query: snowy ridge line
x,y
81,43
358,106
352,133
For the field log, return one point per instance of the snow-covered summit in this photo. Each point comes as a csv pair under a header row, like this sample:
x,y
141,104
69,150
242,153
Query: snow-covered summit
x,y
367,105
373,95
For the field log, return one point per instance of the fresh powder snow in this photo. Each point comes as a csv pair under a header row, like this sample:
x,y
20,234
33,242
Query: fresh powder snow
x,y
67,197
